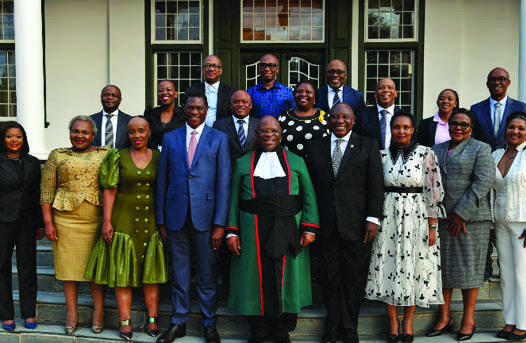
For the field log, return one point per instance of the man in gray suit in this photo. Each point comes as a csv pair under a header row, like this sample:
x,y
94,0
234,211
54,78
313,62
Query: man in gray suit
x,y
239,127
112,124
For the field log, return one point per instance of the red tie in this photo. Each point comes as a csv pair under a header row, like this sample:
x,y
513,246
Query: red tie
x,y
191,148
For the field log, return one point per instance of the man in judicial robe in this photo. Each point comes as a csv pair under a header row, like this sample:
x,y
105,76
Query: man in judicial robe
x,y
273,216
347,174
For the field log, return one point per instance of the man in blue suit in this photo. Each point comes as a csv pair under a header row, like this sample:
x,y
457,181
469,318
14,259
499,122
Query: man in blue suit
x,y
498,106
375,121
193,191
335,91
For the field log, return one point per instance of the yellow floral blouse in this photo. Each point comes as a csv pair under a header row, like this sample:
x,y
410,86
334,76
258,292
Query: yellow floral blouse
x,y
69,178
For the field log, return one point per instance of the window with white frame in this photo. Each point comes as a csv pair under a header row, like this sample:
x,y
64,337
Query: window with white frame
x,y
177,21
396,65
391,20
282,21
7,60
182,68
301,69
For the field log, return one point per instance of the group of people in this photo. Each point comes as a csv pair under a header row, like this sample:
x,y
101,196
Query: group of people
x,y
399,217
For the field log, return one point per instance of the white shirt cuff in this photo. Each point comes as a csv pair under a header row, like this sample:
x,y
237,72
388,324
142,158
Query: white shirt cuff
x,y
373,220
231,235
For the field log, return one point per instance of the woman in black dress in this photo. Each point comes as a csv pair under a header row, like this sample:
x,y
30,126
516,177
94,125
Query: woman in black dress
x,y
166,117
20,223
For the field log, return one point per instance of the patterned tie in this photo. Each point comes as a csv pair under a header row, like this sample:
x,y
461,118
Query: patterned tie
x,y
337,157
191,148
383,125
336,98
498,117
109,131
241,133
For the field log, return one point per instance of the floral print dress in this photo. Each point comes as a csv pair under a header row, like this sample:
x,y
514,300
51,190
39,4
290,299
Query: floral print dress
x,y
404,269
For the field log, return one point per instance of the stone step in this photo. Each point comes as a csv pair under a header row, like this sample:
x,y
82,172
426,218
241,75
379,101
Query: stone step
x,y
373,321
53,333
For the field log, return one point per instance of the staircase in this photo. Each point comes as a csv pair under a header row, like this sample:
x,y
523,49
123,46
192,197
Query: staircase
x,y
51,314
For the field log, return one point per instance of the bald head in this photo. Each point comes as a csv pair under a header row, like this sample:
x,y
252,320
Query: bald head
x,y
241,104
385,93
269,133
336,73
268,68
212,69
498,82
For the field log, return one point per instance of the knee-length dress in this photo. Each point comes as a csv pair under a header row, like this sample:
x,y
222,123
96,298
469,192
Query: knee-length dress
x,y
404,269
136,254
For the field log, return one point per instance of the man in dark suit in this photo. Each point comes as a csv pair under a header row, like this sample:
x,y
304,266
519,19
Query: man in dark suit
x,y
335,91
346,170
375,121
240,127
112,132
217,93
193,190
497,107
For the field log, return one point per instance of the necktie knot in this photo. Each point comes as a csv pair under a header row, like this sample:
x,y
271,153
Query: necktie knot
x,y
498,104
384,113
241,122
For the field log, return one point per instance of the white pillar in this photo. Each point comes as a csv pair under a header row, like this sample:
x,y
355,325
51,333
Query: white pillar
x,y
30,73
522,53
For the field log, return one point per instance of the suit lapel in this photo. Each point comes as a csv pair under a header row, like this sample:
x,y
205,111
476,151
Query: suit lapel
x,y
97,118
325,146
441,151
221,98
375,122
459,149
432,131
122,127
5,164
324,100
349,152
180,141
231,127
202,145
486,116
251,136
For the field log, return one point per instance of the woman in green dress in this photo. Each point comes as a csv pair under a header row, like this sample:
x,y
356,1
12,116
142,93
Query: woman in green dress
x,y
130,252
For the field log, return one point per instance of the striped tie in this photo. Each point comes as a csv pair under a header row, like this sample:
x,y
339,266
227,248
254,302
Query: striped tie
x,y
241,133
336,98
337,157
383,126
109,131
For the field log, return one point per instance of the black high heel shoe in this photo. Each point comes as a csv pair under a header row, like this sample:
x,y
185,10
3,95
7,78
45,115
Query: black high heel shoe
x,y
512,336
465,336
393,338
438,332
149,332
127,336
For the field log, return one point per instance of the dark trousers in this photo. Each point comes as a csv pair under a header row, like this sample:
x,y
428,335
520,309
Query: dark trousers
x,y
22,234
345,270
273,327
182,243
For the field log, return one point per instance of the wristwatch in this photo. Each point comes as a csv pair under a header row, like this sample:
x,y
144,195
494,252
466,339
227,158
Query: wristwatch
x,y
432,227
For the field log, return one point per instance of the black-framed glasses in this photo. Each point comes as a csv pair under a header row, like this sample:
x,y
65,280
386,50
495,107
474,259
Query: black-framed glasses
x,y
495,79
211,66
268,65
463,126
268,131
339,72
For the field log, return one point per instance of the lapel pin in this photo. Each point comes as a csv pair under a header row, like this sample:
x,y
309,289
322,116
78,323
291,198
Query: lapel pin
x,y
352,146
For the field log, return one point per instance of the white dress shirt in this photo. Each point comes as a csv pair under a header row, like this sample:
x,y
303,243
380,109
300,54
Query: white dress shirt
x,y
502,108
211,92
245,125
343,146
113,119
389,115
189,130
331,93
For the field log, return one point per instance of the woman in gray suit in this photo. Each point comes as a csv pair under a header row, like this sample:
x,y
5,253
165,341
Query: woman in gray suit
x,y
468,171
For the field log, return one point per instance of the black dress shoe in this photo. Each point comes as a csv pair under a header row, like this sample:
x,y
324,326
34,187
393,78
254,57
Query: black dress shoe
x,y
173,332
284,339
328,339
405,337
514,337
254,339
465,336
211,335
438,332
503,334
392,338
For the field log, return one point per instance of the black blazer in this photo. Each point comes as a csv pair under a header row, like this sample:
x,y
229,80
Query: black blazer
x,y
121,141
427,130
17,194
224,95
357,192
227,126
368,124
153,116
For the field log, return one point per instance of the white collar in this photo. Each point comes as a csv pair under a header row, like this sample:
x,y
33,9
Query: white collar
x,y
332,89
389,109
493,101
199,129
345,138
215,85
114,113
236,119
268,166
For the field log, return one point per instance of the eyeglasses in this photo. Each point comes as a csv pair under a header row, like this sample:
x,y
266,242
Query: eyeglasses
x,y
339,72
463,126
268,131
212,66
268,65
495,79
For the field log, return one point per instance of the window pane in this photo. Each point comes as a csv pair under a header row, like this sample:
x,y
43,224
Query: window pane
x,y
301,69
390,19
7,24
177,20
395,64
283,20
7,84
182,68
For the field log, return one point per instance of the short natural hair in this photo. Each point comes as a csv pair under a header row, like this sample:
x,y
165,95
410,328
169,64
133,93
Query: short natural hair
x,y
403,113
465,111
194,94
13,125
83,118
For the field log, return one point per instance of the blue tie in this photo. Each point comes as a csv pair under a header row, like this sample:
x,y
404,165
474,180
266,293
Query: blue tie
x,y
336,98
241,133
383,125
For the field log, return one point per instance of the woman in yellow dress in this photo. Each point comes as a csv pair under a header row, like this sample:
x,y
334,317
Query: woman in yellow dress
x,y
71,199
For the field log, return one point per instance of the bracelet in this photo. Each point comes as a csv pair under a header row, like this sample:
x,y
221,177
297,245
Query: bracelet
x,y
432,227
